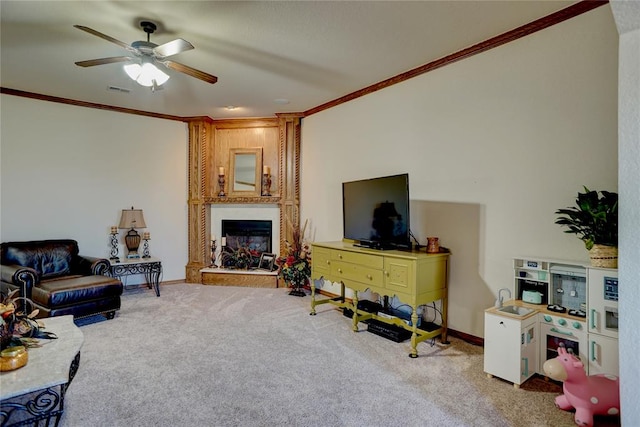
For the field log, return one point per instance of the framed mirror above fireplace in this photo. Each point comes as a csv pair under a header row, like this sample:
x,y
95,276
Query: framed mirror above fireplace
x,y
245,175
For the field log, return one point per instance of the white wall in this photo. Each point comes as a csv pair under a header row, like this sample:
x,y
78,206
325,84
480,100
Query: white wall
x,y
513,133
627,16
67,172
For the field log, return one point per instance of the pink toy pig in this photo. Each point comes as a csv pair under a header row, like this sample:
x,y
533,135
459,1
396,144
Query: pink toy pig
x,y
590,395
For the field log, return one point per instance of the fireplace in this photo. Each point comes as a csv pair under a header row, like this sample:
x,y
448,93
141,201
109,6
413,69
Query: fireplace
x,y
246,226
251,234
244,242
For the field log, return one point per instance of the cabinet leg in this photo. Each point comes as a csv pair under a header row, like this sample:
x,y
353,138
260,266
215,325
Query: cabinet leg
x,y
414,333
443,335
313,298
355,311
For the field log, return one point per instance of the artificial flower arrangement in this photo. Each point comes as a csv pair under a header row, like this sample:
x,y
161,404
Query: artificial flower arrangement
x,y
295,265
18,328
241,258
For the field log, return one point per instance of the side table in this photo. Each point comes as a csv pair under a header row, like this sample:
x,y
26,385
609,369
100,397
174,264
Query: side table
x,y
34,394
150,267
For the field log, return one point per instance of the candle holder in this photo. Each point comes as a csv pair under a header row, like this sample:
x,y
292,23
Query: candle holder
x,y
145,249
213,254
114,246
221,193
266,184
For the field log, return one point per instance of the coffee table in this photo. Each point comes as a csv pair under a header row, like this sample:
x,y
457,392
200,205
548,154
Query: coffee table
x,y
36,391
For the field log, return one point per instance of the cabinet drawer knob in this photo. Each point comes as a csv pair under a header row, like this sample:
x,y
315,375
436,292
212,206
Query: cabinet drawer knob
x,y
340,256
328,262
370,277
339,270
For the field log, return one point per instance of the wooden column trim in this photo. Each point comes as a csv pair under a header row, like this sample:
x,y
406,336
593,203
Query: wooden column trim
x,y
289,176
198,209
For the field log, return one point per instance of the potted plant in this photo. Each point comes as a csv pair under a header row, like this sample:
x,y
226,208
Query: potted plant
x,y
594,220
295,265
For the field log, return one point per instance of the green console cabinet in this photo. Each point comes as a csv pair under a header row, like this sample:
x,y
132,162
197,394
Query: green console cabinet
x,y
415,277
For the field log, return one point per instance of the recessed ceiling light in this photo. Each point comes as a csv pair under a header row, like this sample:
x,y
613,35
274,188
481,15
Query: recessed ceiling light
x,y
281,101
230,107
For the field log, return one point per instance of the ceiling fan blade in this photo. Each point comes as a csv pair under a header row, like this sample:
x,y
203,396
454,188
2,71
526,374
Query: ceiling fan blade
x,y
106,37
172,48
102,61
190,71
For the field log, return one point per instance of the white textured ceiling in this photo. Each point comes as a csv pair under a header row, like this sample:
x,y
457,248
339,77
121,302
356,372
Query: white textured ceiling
x,y
309,52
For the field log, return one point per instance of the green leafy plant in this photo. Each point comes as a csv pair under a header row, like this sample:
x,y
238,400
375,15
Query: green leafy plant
x,y
594,219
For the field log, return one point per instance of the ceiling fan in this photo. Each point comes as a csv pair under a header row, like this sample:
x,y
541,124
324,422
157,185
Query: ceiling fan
x,y
145,55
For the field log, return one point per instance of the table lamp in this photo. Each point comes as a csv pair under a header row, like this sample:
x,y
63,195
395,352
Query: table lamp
x,y
132,219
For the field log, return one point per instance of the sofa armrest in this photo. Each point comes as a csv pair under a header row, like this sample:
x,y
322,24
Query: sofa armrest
x,y
88,265
23,278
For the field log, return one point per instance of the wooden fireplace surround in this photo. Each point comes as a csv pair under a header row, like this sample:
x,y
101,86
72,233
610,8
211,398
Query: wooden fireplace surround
x,y
210,144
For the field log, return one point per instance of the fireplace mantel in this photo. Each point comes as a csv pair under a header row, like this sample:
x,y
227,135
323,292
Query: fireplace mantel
x,y
209,145
243,200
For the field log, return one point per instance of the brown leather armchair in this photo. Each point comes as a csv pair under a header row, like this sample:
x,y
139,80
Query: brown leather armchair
x,y
58,280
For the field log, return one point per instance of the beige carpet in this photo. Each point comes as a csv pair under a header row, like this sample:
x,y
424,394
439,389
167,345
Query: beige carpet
x,y
227,356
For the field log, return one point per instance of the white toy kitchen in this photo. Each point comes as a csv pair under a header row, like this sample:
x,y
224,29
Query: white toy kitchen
x,y
555,303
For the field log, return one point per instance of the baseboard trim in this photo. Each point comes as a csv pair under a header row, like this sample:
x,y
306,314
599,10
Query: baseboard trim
x,y
471,339
173,282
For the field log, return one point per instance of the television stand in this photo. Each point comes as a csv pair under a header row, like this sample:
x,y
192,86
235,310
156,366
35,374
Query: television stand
x,y
378,247
416,278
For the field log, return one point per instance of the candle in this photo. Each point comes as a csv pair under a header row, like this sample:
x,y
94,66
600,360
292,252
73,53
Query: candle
x,y
213,237
146,235
266,170
114,229
220,170
224,241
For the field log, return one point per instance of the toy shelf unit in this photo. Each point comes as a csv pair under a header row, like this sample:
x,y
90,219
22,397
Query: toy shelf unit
x,y
559,284
531,276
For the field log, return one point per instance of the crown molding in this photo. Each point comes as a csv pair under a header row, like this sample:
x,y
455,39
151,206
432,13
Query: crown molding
x,y
515,34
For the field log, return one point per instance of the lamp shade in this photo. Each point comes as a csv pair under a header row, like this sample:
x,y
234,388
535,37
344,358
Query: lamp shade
x,y
145,74
132,218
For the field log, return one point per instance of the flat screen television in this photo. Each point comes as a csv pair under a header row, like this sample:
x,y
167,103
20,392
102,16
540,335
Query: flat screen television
x,y
376,212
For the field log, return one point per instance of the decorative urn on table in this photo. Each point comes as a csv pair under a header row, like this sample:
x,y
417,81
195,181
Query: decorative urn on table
x,y
18,331
594,220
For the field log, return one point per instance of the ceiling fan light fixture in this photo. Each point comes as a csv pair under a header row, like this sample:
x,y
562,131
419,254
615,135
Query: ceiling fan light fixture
x,y
146,74
133,71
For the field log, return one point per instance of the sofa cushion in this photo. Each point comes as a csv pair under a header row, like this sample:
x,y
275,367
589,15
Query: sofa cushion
x,y
50,258
70,290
